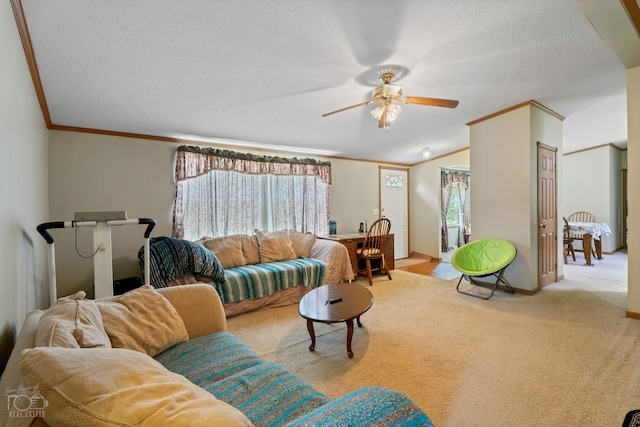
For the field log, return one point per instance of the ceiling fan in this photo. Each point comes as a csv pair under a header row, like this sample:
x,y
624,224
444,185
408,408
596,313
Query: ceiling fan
x,y
388,96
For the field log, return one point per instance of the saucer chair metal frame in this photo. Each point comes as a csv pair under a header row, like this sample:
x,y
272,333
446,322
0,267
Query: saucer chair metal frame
x,y
484,258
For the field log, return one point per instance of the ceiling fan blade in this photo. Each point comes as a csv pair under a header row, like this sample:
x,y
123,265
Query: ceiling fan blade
x,y
347,108
436,102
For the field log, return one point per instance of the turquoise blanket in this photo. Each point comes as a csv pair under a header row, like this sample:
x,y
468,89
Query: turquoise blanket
x,y
259,280
265,392
270,395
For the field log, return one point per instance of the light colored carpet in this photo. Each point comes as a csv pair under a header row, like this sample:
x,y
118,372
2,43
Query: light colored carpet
x,y
566,356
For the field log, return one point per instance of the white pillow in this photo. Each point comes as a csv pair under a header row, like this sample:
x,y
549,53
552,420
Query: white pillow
x,y
275,246
106,387
72,322
142,320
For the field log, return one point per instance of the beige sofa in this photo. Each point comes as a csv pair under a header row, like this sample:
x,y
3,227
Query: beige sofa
x,y
265,269
163,357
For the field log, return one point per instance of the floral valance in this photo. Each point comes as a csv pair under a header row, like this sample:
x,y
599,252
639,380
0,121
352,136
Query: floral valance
x,y
448,177
194,161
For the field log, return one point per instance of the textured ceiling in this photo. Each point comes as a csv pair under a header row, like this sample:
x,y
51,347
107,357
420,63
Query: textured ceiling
x,y
261,74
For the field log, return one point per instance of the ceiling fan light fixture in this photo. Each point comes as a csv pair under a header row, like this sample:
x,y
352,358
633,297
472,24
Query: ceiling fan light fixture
x,y
426,153
392,91
388,96
393,111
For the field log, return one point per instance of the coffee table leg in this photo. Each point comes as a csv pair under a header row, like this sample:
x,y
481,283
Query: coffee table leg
x,y
349,336
359,323
312,333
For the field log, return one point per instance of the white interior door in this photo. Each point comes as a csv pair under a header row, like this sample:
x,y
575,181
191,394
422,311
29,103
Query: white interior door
x,y
394,204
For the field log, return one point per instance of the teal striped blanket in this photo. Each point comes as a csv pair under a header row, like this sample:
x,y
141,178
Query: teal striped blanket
x,y
270,395
259,280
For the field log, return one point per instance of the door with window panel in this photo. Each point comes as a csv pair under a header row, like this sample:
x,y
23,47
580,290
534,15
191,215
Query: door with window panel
x,y
394,204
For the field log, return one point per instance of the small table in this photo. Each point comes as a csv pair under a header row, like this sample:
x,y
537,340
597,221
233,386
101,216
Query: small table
x,y
333,303
592,231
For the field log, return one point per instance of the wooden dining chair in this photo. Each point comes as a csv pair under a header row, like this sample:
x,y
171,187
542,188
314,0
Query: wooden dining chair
x,y
581,216
373,248
567,242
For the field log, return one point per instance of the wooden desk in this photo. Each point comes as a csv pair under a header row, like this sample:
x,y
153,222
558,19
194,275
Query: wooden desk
x,y
353,240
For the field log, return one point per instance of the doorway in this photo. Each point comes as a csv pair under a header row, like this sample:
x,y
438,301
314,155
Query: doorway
x,y
455,218
394,204
547,216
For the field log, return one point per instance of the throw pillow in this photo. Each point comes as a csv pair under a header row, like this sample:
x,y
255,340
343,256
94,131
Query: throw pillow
x,y
106,387
302,242
250,249
72,322
228,250
275,246
172,258
142,320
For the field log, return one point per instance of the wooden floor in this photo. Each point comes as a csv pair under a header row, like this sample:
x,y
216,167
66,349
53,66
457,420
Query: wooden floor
x,y
433,268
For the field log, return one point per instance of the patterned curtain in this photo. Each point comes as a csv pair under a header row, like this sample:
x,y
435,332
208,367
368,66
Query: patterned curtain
x,y
220,192
447,179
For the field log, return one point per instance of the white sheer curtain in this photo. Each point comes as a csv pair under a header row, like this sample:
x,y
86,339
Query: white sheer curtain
x,y
235,196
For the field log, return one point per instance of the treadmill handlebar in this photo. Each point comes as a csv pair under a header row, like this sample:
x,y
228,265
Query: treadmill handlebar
x,y
44,228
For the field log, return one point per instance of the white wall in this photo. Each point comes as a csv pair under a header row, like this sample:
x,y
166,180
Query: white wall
x,y
23,174
425,202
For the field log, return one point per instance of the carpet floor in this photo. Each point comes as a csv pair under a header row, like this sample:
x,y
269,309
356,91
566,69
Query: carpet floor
x,y
566,356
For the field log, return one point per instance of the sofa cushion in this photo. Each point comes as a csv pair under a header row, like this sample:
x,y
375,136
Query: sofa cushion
x,y
210,358
302,242
371,406
275,246
250,249
171,258
142,320
267,393
264,393
72,322
101,387
228,249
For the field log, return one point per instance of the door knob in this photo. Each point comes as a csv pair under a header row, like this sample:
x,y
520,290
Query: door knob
x,y
543,226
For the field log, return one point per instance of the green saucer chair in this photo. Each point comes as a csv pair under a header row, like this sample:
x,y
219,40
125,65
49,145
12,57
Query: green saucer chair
x,y
484,258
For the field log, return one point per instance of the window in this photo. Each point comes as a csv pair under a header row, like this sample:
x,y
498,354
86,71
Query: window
x,y
219,193
394,181
453,213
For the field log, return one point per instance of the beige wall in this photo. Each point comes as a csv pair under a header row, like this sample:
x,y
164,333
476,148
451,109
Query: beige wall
x,y
548,130
633,159
354,193
425,201
504,172
23,174
91,172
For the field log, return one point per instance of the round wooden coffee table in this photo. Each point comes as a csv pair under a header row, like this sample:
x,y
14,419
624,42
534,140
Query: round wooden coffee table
x,y
333,303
